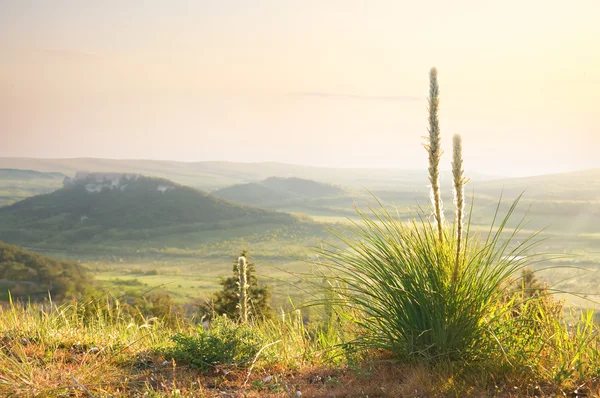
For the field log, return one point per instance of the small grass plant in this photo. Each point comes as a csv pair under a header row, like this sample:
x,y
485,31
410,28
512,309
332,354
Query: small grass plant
x,y
224,344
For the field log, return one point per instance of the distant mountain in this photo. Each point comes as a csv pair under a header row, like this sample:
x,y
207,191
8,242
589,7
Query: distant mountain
x,y
113,207
18,174
583,185
303,187
30,275
567,201
18,184
279,192
255,194
213,175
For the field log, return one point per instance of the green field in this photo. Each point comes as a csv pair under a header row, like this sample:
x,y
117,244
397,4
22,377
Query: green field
x,y
190,279
193,270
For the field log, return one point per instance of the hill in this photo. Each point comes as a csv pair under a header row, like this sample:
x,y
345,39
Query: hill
x,y
583,185
255,194
18,184
213,175
566,201
98,208
17,174
278,192
302,187
28,274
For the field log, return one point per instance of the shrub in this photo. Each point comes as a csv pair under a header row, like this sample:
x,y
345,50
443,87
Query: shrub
x,y
34,276
225,343
226,301
537,343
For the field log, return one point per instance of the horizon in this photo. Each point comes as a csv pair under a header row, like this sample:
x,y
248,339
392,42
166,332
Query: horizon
x,y
443,168
322,84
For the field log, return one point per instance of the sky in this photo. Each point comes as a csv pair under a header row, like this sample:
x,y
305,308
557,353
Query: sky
x,y
315,82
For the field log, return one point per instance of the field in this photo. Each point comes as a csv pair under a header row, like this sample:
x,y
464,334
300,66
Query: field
x,y
186,279
191,270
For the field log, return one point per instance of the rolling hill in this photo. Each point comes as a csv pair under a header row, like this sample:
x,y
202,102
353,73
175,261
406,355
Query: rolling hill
x,y
583,185
17,184
303,187
213,175
115,207
278,192
566,201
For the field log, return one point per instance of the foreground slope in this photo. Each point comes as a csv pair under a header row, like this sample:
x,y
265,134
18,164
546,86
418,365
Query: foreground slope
x,y
129,207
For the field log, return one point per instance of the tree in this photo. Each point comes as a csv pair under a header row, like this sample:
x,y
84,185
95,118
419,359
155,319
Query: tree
x,y
31,276
227,300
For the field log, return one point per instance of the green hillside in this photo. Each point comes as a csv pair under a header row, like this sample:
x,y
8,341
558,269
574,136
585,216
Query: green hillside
x,y
94,210
302,187
278,192
255,194
28,274
565,203
583,185
18,184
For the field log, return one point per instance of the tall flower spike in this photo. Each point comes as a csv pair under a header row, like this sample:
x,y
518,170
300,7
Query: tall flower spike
x,y
243,275
434,150
459,197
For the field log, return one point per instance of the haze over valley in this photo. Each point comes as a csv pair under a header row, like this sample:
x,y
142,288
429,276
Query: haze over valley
x,y
319,198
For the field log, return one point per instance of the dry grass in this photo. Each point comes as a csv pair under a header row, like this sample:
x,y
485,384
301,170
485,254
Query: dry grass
x,y
72,352
72,371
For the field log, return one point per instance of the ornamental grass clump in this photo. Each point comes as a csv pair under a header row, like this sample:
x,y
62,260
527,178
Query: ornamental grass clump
x,y
424,290
402,281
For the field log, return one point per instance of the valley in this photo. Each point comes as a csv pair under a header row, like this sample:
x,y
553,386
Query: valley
x,y
142,233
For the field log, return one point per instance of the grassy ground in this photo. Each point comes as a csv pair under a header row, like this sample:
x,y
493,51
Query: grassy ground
x,y
188,279
71,351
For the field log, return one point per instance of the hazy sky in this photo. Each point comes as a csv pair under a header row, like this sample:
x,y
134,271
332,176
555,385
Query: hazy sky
x,y
329,83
